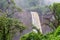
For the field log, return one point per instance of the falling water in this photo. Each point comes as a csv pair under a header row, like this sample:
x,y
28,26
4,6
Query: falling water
x,y
36,21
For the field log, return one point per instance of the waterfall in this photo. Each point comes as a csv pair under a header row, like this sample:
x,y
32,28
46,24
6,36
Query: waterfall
x,y
36,21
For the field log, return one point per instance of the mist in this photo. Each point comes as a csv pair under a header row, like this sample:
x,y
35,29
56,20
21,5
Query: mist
x,y
24,3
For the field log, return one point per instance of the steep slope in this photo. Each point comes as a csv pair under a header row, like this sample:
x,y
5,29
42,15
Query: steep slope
x,y
26,19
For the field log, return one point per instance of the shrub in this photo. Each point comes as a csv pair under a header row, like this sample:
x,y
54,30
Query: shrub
x,y
36,36
32,36
57,32
8,27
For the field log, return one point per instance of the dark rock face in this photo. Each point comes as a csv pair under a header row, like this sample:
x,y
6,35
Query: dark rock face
x,y
45,21
26,19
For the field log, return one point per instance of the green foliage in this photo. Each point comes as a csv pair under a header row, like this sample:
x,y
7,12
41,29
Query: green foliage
x,y
57,32
8,27
55,8
36,36
31,36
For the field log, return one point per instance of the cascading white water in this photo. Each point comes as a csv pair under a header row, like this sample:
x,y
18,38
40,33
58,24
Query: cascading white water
x,y
36,21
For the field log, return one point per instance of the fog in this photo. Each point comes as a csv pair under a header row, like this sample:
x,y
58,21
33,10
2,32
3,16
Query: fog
x,y
38,5
23,2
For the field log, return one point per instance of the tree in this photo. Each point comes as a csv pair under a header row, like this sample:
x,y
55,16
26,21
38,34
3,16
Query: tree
x,y
55,9
8,26
36,36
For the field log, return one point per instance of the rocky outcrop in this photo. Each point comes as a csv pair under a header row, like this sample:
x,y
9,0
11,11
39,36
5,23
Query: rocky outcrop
x,y
26,19
29,18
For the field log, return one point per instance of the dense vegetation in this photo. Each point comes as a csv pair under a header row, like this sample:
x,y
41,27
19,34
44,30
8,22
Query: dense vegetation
x,y
8,25
55,35
36,36
55,9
